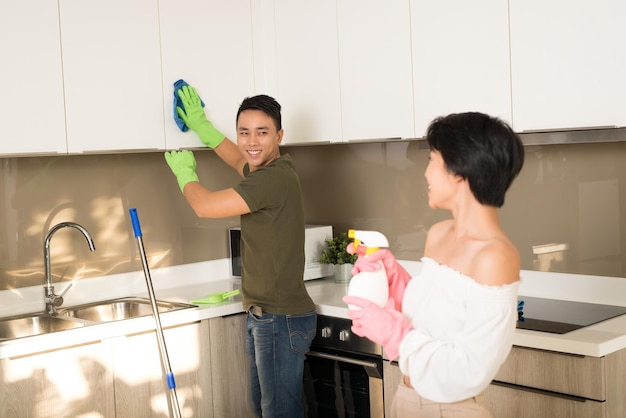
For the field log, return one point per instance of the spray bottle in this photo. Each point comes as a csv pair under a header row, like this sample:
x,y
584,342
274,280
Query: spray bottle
x,y
371,285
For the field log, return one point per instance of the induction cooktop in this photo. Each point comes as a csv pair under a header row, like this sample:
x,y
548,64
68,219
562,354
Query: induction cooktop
x,y
562,316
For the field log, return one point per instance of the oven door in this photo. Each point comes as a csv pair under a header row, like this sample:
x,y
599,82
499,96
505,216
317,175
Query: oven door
x,y
340,384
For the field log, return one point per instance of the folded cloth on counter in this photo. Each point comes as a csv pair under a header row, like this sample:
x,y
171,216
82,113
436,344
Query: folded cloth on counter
x,y
178,103
216,297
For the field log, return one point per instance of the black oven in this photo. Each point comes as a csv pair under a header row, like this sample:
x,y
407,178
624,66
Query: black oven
x,y
343,373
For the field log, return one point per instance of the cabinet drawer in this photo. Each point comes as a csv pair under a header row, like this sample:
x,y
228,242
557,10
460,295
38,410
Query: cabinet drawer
x,y
570,374
511,402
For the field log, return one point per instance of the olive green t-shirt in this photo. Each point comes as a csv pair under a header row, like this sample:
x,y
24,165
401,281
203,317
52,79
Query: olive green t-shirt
x,y
272,239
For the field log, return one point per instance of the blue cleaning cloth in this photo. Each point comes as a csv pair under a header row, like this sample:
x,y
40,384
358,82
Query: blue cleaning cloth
x,y
179,103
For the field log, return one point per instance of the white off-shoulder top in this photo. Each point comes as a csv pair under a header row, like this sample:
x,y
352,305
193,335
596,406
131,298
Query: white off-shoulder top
x,y
462,332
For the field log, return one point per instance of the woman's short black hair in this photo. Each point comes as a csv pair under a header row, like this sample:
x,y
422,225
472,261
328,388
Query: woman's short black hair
x,y
265,104
480,148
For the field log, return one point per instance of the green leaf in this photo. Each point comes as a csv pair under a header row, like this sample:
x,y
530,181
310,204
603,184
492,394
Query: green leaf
x,y
335,251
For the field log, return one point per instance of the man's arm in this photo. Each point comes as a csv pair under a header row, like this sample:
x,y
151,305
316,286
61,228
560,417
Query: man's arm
x,y
206,203
209,204
229,153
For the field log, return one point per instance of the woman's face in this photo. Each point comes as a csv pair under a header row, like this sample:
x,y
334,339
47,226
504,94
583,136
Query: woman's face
x,y
441,182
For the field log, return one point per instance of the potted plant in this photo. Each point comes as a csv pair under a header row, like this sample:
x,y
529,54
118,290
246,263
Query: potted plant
x,y
335,253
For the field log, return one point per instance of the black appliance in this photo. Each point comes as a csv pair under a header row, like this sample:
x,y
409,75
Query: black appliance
x,y
562,316
342,373
234,243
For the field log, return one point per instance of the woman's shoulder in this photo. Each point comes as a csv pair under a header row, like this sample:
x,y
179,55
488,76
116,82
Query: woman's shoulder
x,y
439,229
497,263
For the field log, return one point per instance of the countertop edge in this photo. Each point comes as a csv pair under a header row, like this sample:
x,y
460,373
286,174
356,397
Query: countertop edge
x,y
183,283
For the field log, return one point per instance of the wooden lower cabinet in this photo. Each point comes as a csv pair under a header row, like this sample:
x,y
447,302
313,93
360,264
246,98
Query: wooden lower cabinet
x,y
516,402
123,377
391,379
230,367
140,387
72,382
546,384
537,383
209,363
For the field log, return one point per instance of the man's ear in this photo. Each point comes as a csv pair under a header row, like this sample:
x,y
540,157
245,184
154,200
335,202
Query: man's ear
x,y
280,136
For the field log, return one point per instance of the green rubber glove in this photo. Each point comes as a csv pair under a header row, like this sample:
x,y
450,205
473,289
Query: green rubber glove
x,y
194,117
183,165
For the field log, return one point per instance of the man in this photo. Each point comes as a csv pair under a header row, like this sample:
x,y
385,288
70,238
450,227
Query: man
x,y
281,315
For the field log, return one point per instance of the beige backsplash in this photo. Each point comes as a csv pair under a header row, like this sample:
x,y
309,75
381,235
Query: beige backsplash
x,y
567,195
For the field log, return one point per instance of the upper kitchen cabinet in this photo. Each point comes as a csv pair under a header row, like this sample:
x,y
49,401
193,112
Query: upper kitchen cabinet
x,y
209,45
32,115
375,69
306,72
460,59
112,74
342,68
567,64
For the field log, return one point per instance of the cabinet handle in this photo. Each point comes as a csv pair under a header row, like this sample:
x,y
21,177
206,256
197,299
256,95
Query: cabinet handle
x,y
574,136
540,391
580,128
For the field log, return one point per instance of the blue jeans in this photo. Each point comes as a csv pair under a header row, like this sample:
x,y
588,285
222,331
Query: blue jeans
x,y
276,345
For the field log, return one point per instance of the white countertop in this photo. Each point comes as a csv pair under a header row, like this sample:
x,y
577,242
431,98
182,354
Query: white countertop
x,y
192,281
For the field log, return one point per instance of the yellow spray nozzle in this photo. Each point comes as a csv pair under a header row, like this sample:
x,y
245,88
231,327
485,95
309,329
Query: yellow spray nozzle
x,y
372,240
352,234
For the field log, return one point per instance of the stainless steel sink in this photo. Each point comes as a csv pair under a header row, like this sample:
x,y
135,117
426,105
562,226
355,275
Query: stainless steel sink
x,y
118,309
28,325
33,324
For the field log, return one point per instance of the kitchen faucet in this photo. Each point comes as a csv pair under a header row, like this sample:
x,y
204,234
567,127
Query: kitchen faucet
x,y
51,299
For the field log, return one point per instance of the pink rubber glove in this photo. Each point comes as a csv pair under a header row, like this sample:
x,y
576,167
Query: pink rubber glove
x,y
397,276
384,326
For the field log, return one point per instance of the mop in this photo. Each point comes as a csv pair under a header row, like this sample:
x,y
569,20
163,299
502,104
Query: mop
x,y
165,361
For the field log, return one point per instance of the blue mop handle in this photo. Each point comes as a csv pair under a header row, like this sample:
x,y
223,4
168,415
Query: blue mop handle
x,y
135,220
171,383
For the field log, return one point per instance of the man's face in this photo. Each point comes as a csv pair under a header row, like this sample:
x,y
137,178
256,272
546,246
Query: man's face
x,y
257,138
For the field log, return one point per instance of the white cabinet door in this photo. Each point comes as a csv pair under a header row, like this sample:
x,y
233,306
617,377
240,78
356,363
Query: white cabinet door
x,y
343,69
375,69
112,74
567,63
460,59
209,45
307,67
32,115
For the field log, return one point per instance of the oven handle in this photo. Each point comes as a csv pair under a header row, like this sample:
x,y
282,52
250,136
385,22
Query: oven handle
x,y
366,364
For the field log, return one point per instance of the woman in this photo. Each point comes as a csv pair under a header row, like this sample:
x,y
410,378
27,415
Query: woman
x,y
452,325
